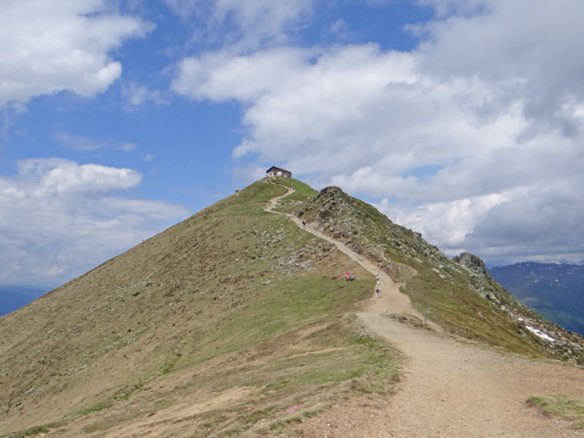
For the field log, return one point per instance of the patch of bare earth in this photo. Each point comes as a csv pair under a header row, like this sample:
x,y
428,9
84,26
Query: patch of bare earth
x,y
173,421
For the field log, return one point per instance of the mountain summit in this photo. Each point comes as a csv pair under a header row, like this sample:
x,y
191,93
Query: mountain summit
x,y
239,320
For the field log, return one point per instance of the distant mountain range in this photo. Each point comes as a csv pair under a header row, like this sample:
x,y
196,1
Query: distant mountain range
x,y
554,290
15,297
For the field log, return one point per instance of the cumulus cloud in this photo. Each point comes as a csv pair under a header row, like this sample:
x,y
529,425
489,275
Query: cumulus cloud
x,y
547,215
59,218
245,25
450,222
524,53
60,45
220,76
466,137
136,95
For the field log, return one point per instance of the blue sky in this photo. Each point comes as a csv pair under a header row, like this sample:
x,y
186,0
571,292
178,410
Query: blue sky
x,y
462,119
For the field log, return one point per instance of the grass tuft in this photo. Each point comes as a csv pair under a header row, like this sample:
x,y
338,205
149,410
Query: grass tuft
x,y
36,430
561,406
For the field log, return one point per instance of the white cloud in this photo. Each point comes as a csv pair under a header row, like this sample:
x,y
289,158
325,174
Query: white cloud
x,y
136,95
79,143
462,134
246,24
61,45
59,218
548,215
462,8
221,76
449,223
127,147
148,157
263,19
524,52
187,8
82,143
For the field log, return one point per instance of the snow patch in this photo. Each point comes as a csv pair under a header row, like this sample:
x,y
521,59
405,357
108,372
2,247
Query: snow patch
x,y
540,334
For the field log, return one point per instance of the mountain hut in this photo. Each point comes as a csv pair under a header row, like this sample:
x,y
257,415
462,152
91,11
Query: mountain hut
x,y
278,171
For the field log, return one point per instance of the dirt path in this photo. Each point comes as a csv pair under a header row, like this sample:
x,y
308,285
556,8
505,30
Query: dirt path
x,y
449,389
391,300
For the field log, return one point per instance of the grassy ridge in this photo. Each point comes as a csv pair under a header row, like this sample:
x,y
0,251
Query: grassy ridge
x,y
234,311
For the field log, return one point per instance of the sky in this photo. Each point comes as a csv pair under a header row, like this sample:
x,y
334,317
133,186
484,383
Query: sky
x,y
460,119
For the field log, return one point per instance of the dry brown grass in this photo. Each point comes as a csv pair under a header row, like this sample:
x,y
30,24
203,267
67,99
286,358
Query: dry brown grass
x,y
216,326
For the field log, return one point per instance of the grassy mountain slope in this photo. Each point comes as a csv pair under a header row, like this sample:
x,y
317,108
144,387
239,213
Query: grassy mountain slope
x,y
236,320
461,297
229,321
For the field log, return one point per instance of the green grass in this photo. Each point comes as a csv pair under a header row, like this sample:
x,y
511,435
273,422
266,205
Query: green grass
x,y
454,306
127,393
562,406
302,193
36,430
97,407
232,299
335,360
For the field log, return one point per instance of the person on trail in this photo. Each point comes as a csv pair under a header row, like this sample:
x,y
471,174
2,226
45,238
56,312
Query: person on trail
x,y
349,276
377,292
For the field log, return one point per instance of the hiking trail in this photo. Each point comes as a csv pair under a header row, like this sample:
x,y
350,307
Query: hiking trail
x,y
448,388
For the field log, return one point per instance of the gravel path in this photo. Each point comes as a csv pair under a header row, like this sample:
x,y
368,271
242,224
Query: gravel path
x,y
448,388
451,389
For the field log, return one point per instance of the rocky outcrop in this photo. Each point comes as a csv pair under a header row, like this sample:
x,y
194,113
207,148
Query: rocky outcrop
x,y
472,262
481,281
366,231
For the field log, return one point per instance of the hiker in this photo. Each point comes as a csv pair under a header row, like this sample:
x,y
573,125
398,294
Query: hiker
x,y
303,223
377,292
349,276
